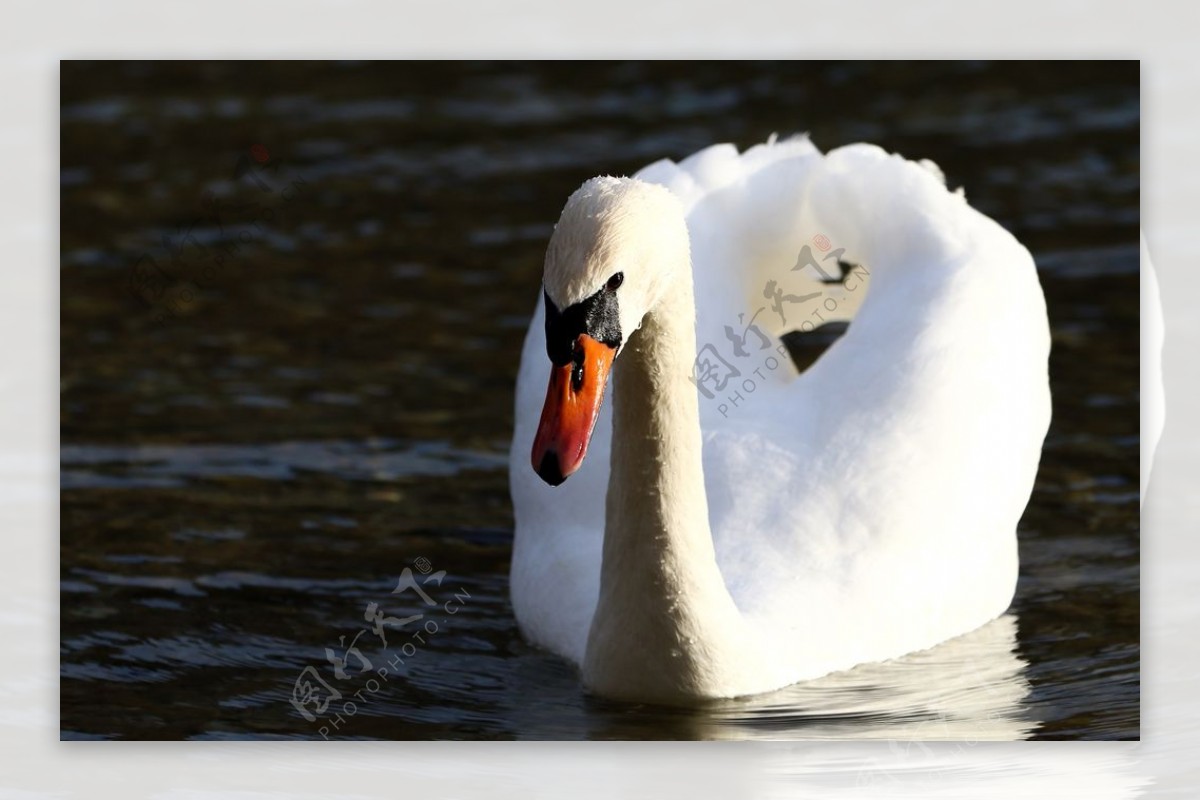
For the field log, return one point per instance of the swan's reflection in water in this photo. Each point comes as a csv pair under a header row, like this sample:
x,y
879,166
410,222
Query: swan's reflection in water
x,y
968,689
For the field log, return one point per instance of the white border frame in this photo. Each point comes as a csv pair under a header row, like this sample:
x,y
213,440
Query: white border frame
x,y
36,36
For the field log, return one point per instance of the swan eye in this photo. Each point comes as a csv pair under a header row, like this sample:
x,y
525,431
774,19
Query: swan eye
x,y
615,282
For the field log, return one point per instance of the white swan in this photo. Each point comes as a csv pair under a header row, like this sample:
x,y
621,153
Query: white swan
x,y
788,525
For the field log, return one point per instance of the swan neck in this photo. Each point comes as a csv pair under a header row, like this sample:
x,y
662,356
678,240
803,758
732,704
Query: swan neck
x,y
664,613
656,498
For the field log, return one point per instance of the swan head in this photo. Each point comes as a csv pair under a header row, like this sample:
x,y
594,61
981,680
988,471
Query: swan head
x,y
616,248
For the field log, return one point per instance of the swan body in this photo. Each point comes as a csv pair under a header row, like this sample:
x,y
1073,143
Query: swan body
x,y
727,538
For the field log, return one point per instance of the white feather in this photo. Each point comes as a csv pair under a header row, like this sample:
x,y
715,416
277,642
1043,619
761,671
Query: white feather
x,y
859,511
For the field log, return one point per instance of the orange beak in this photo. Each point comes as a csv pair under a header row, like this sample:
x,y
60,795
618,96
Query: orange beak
x,y
572,407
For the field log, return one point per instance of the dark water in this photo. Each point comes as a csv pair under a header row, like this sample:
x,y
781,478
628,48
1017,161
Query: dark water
x,y
293,298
